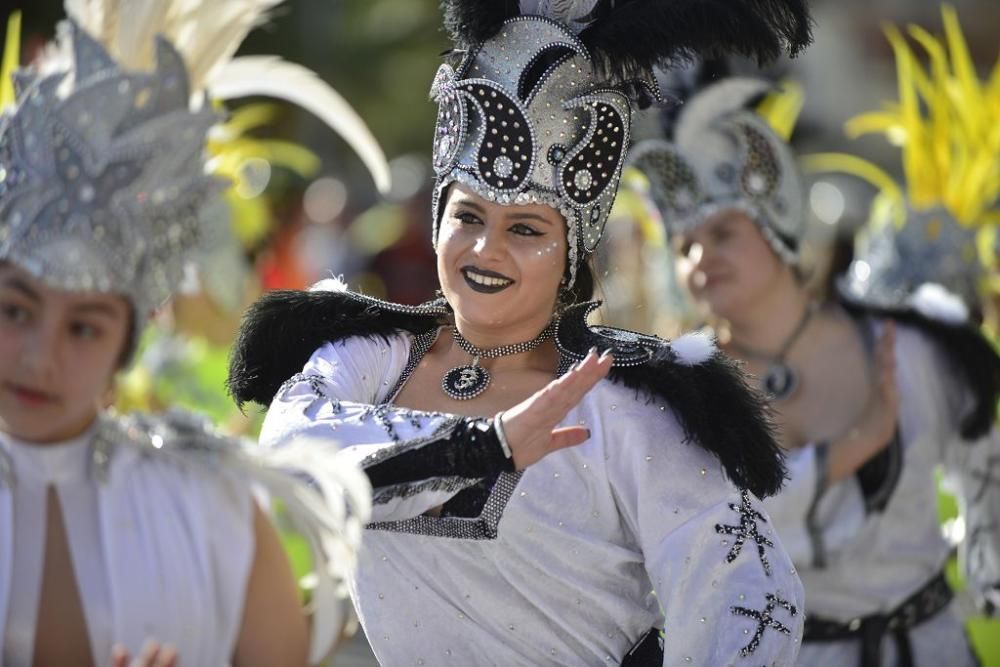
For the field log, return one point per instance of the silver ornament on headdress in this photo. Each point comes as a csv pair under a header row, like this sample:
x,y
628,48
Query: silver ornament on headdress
x,y
727,157
525,119
102,177
892,263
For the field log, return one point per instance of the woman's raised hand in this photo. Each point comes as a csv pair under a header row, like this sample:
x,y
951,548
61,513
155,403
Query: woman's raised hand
x,y
530,425
879,419
874,430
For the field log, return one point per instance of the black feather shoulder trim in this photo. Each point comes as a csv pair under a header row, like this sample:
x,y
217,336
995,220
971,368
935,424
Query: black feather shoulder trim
x,y
283,328
707,392
971,356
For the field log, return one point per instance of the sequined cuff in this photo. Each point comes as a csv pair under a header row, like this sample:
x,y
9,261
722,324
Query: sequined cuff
x,y
469,448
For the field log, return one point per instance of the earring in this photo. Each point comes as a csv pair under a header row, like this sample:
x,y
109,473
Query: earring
x,y
565,297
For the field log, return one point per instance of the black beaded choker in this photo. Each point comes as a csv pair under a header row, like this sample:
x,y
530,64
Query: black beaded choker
x,y
463,383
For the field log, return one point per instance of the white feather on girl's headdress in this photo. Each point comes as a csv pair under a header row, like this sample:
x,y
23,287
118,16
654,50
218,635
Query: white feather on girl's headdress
x,y
207,34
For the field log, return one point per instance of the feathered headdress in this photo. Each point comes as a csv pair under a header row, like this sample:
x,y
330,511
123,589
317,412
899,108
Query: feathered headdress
x,y
727,154
539,108
939,225
103,182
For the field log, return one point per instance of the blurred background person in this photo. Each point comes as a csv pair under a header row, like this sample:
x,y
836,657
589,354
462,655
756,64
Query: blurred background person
x,y
872,389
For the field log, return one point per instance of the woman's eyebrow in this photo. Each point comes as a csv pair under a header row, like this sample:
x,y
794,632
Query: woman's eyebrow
x,y
528,216
96,308
470,203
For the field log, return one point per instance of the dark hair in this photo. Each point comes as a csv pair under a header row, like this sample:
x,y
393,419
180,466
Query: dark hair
x,y
583,286
127,355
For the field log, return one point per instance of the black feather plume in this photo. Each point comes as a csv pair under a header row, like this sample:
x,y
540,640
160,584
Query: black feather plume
x,y
719,411
283,328
629,37
472,21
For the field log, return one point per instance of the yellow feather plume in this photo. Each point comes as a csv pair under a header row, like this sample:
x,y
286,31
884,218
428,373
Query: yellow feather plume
x,y
947,123
11,59
782,107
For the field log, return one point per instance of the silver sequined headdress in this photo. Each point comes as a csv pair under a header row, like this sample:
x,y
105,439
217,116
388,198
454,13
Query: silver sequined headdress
x,y
538,108
104,182
724,155
939,226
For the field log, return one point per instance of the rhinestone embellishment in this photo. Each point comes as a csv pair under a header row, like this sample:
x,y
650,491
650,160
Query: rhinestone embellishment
x,y
464,383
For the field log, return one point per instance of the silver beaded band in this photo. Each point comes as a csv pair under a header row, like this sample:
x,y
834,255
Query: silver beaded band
x,y
501,436
503,350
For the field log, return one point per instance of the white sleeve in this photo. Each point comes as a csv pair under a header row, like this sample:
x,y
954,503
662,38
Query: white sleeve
x,y
422,459
726,587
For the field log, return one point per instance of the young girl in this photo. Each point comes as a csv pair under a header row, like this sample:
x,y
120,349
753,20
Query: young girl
x,y
651,525
118,529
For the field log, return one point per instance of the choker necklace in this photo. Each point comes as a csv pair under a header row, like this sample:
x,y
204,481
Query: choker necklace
x,y
779,381
466,382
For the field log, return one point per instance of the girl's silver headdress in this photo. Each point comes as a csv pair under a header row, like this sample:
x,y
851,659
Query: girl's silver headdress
x,y
539,108
103,166
102,179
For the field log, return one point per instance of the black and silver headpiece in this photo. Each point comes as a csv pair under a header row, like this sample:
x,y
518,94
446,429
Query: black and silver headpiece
x,y
539,107
724,155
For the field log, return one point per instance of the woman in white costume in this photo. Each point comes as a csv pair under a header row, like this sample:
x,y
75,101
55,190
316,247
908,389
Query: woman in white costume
x,y
871,391
119,529
645,543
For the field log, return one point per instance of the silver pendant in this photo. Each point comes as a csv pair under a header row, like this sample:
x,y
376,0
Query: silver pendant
x,y
780,381
466,382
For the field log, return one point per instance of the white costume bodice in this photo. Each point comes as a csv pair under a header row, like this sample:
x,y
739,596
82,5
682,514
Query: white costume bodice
x,y
159,550
569,562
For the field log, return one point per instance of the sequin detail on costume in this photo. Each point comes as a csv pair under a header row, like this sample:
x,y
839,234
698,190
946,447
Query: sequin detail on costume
x,y
765,620
747,529
318,387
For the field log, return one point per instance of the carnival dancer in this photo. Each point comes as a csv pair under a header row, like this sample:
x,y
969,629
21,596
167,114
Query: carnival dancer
x,y
644,544
118,529
870,395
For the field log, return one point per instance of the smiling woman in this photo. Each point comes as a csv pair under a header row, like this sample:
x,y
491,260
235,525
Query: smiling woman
x,y
536,479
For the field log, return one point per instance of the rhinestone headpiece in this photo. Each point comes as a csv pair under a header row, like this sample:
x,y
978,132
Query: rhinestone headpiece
x,y
102,177
891,263
525,119
724,155
946,212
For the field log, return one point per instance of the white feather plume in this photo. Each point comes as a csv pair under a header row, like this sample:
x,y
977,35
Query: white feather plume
x,y
693,348
273,77
935,302
207,34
